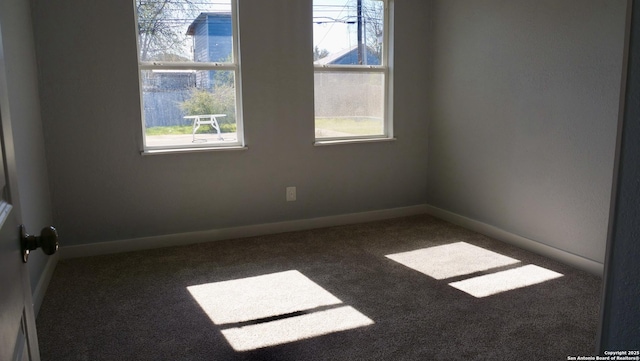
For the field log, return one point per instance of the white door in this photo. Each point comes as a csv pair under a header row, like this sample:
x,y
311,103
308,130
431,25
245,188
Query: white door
x,y
18,339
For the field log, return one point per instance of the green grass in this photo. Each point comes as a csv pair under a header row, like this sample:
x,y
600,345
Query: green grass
x,y
353,126
188,129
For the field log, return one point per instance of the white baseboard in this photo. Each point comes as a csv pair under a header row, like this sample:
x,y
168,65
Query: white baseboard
x,y
568,258
43,283
136,244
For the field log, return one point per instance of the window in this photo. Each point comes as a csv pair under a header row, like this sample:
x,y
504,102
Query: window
x,y
189,74
351,61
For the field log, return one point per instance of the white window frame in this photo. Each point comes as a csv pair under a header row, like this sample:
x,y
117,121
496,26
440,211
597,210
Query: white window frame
x,y
385,69
225,66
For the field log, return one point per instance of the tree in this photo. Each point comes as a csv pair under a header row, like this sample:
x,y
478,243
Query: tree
x,y
162,28
319,53
219,101
373,19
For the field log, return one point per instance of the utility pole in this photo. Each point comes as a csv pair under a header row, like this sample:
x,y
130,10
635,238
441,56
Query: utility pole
x,y
360,42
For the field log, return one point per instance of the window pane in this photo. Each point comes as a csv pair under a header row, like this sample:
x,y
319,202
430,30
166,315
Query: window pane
x,y
184,107
348,32
181,30
349,104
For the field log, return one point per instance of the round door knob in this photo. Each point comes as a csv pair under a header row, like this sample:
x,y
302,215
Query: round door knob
x,y
48,241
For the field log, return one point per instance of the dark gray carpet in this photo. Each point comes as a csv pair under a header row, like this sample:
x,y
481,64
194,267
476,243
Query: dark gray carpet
x,y
136,306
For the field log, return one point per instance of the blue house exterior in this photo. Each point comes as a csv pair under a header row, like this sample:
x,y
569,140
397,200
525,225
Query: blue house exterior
x,y
212,42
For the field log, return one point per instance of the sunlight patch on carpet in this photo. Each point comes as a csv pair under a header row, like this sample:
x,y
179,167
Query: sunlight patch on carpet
x,y
273,309
491,284
295,328
259,297
451,260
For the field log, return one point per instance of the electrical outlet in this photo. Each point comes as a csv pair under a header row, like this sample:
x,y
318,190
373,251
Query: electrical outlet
x,y
291,194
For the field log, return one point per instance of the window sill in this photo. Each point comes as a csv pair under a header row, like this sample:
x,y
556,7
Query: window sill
x,y
155,151
322,143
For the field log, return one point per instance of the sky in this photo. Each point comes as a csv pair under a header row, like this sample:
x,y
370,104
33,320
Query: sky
x,y
330,30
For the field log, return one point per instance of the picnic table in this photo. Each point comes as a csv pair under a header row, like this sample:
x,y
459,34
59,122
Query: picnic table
x,y
210,119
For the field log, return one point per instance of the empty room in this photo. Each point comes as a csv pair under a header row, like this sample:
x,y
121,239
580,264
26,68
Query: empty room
x,y
319,179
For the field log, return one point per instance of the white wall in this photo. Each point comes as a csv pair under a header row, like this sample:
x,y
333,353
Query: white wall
x,y
524,105
33,186
522,96
104,190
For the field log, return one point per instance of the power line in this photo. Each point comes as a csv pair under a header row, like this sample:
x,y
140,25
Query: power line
x,y
345,6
